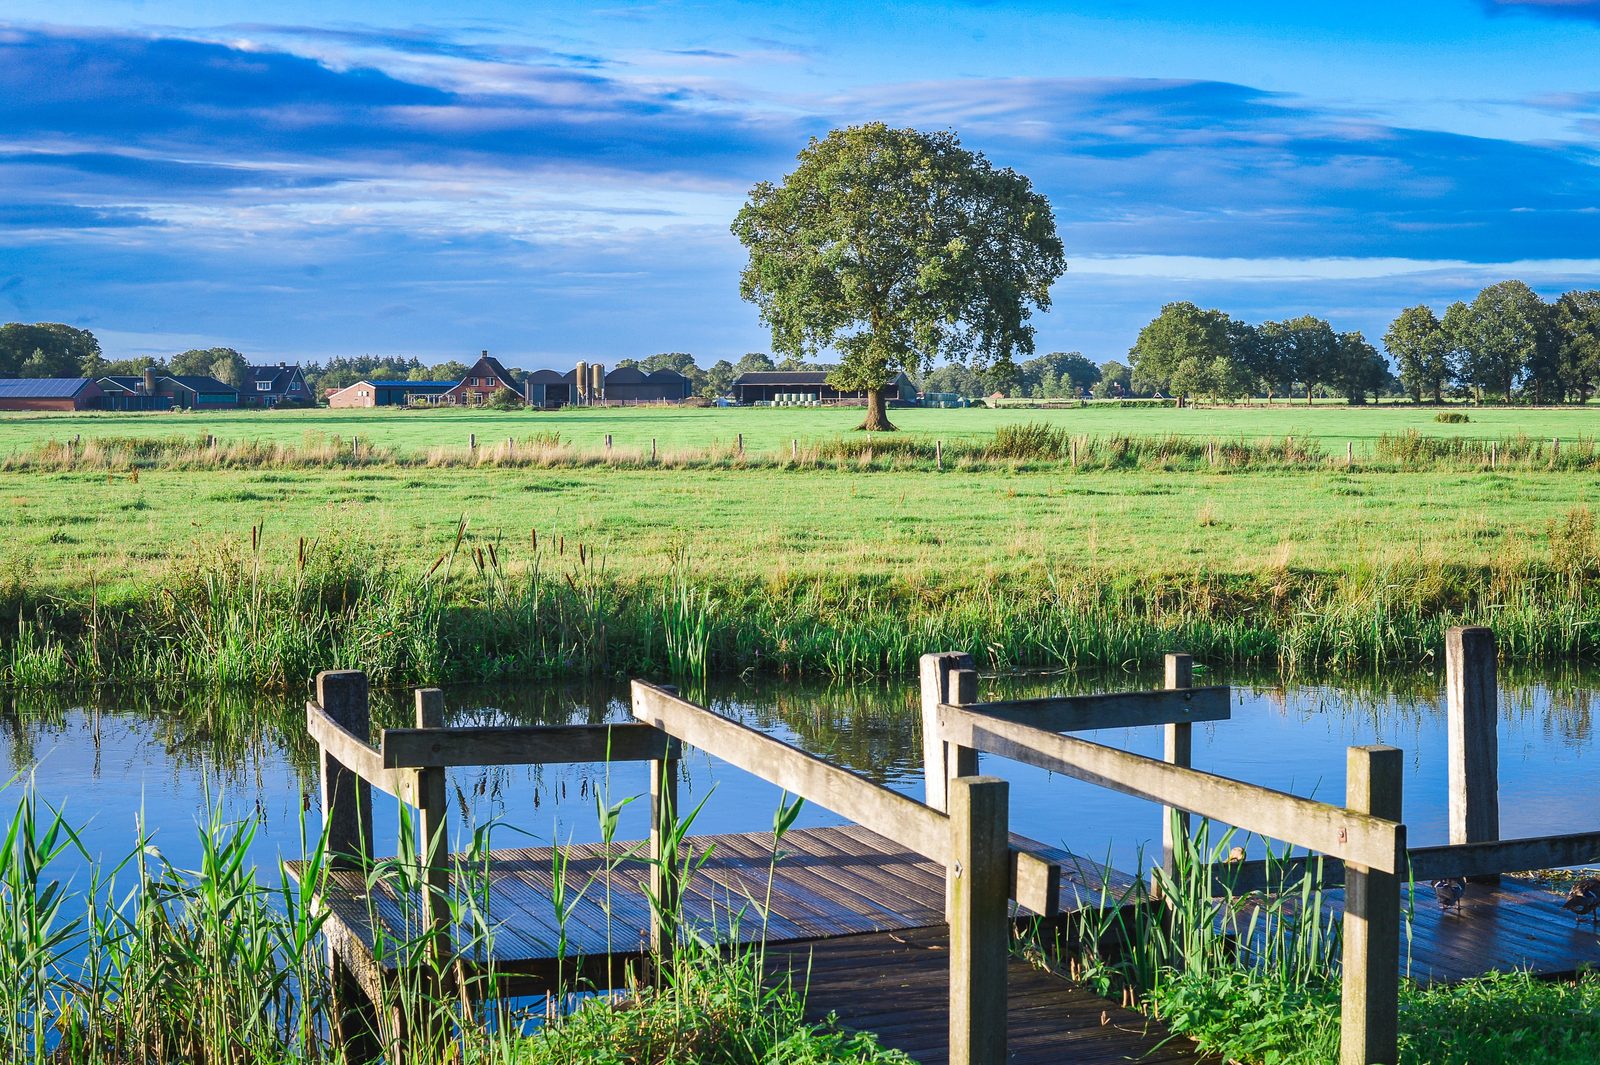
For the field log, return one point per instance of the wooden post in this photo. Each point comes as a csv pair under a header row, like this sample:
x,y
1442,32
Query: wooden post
x,y
980,929
740,441
1349,453
347,824
938,454
608,445
663,881
433,834
346,798
935,672
472,441
794,449
1073,447
1492,452
959,761
1177,748
1555,450
1370,1006
652,451
1471,701
355,447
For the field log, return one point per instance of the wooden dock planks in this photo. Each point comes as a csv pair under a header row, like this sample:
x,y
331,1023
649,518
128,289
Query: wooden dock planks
x,y
826,882
895,984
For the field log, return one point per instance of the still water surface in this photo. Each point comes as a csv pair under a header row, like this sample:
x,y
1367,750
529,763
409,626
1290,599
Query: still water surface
x,y
115,758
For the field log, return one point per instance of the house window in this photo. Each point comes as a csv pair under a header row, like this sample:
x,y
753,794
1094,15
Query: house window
x,y
263,386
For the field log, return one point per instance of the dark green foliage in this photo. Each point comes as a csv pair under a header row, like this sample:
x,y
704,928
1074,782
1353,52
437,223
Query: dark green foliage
x,y
48,349
897,248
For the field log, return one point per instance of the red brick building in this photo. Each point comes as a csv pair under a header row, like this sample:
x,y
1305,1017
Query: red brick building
x,y
485,378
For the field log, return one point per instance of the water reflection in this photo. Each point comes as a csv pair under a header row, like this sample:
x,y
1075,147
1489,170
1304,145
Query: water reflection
x,y
110,756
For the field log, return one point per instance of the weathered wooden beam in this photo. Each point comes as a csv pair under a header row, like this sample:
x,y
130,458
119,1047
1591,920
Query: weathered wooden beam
x,y
980,928
521,745
1081,713
433,834
665,869
1473,722
1279,875
888,813
1505,856
356,756
1369,1008
1316,826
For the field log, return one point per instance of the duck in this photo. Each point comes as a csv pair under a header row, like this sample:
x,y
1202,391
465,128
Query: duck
x,y
1449,892
1584,899
1236,856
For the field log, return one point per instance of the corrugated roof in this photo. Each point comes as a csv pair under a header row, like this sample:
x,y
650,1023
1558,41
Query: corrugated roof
x,y
546,377
667,374
42,387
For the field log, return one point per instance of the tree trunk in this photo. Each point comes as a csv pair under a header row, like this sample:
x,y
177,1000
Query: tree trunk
x,y
877,420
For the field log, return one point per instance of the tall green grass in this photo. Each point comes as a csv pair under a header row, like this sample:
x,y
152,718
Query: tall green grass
x,y
246,616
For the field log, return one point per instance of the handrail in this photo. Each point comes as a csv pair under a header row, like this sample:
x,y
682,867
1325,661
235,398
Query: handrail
x,y
1360,838
356,754
1035,880
1078,713
1441,862
437,748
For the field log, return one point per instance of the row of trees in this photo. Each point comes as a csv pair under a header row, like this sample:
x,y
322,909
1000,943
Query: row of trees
x,y
1187,351
1507,343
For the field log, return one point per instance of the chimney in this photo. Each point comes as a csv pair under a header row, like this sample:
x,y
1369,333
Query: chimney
x,y
283,366
486,353
149,380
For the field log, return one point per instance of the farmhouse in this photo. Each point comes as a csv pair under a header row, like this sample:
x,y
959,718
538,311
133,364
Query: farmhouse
x,y
388,393
483,380
773,386
274,386
49,393
155,391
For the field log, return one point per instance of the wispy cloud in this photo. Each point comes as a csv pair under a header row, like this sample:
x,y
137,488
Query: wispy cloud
x,y
1579,9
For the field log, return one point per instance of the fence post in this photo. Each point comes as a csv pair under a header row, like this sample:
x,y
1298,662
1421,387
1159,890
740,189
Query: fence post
x,y
741,443
663,879
938,454
794,449
1370,1006
347,825
1177,748
1471,706
935,671
608,445
1349,453
959,761
980,932
472,441
346,798
1493,449
652,451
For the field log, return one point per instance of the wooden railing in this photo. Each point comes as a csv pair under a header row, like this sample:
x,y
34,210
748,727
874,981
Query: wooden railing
x,y
410,764
1365,834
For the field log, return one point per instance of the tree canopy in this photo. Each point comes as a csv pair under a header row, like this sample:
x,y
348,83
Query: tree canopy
x,y
48,349
898,248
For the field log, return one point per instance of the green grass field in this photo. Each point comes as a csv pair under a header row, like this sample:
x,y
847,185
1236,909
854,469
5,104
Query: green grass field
x,y
836,565
772,429
920,528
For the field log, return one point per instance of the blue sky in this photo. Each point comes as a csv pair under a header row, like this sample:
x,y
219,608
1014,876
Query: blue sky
x,y
555,181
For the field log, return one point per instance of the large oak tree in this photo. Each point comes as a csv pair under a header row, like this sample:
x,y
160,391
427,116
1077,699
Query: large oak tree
x,y
896,248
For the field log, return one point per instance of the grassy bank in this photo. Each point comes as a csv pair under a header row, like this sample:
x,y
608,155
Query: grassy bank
x,y
1254,978
271,618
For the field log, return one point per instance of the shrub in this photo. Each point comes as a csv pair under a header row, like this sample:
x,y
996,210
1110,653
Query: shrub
x,y
1452,417
504,399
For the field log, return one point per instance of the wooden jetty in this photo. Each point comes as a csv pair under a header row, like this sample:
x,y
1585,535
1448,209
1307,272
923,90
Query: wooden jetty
x,y
923,895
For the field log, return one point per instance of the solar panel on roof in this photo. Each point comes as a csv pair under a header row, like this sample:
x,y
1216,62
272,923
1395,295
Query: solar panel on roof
x,y
42,387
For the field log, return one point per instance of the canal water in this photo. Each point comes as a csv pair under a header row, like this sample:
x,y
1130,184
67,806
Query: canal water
x,y
117,759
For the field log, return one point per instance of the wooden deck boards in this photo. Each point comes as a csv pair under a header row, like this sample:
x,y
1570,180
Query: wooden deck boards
x,y
827,882
897,986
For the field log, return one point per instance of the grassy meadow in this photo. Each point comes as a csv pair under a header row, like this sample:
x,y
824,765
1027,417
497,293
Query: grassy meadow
x,y
772,429
259,564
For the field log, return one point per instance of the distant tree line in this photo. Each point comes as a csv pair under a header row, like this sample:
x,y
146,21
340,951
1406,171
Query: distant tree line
x,y
1507,345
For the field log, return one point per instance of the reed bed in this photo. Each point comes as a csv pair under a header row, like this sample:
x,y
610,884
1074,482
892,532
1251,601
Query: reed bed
x,y
1029,446
254,617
